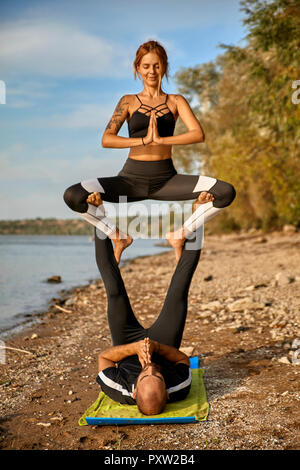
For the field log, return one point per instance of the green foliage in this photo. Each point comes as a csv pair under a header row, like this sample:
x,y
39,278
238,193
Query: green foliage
x,y
244,103
50,226
150,226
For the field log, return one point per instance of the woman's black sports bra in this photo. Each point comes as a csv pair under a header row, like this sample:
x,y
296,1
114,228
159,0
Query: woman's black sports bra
x,y
139,122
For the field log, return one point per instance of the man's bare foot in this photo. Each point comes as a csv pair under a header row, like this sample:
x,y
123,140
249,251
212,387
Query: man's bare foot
x,y
177,239
203,198
120,243
94,199
121,240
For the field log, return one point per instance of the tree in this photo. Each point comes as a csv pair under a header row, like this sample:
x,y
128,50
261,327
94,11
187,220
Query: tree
x,y
244,101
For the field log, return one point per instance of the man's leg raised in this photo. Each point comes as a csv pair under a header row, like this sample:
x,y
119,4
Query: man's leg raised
x,y
123,324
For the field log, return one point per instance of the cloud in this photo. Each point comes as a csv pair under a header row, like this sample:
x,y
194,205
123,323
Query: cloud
x,y
84,116
33,181
28,93
90,116
54,49
56,165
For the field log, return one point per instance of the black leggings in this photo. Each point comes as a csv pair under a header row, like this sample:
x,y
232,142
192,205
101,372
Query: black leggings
x,y
140,180
124,326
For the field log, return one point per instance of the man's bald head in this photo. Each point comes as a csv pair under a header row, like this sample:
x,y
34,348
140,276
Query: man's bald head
x,y
150,393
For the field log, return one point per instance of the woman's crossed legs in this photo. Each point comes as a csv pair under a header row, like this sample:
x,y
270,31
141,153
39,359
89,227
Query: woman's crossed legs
x,y
210,195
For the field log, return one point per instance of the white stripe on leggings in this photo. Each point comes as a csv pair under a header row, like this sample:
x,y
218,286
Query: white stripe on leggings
x,y
195,240
95,216
96,211
204,183
201,215
92,186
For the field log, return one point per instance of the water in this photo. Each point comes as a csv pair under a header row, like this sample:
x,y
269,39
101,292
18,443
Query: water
x,y
27,261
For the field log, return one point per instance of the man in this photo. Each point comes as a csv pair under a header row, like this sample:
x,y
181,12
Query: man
x,y
144,366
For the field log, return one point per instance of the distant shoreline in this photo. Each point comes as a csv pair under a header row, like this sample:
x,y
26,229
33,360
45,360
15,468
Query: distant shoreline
x,y
53,226
48,226
79,227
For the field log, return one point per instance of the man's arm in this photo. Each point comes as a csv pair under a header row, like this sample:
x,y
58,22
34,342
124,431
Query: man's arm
x,y
111,356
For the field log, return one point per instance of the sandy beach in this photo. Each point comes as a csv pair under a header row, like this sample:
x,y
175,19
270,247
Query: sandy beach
x,y
243,323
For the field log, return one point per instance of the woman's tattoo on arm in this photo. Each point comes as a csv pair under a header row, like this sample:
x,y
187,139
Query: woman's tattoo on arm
x,y
118,116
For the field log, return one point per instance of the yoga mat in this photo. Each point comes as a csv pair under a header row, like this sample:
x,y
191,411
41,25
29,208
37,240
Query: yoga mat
x,y
193,408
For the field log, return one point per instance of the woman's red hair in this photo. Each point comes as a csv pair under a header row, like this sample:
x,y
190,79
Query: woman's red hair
x,y
152,46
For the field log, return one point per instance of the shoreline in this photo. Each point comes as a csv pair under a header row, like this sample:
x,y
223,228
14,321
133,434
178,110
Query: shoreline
x,y
242,319
28,320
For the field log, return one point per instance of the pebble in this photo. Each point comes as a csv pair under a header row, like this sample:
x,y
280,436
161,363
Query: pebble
x,y
34,336
295,356
54,279
288,228
284,360
188,350
282,279
215,306
295,344
261,240
245,303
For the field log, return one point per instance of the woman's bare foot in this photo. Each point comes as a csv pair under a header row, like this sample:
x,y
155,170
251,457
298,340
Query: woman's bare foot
x,y
177,239
121,240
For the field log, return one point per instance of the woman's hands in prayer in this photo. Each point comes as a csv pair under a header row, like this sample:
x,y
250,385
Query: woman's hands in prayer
x,y
152,134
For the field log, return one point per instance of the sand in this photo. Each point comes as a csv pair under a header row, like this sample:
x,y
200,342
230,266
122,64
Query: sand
x,y
243,323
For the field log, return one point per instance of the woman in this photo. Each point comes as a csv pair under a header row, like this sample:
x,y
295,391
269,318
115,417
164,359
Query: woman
x,y
149,172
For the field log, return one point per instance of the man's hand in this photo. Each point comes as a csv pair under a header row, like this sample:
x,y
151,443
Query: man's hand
x,y
142,352
151,347
111,356
144,349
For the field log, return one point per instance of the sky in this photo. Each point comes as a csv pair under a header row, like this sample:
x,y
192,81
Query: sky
x,y
64,64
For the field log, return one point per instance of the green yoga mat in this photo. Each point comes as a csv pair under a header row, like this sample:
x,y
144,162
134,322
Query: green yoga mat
x,y
192,409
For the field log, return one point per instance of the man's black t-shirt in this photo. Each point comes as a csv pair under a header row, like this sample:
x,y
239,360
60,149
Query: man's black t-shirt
x,y
119,382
